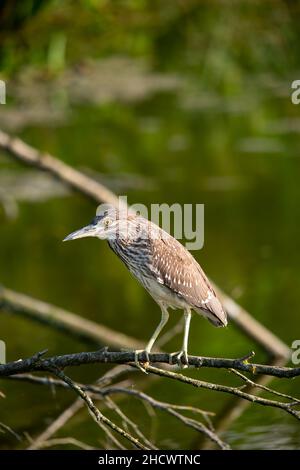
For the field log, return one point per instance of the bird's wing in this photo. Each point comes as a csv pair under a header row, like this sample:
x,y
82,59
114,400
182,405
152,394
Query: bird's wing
x,y
177,269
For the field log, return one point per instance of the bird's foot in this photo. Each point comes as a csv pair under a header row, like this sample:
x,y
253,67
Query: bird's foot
x,y
141,365
181,358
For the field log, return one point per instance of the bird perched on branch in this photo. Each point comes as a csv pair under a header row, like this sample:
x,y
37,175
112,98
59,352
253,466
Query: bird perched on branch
x,y
162,265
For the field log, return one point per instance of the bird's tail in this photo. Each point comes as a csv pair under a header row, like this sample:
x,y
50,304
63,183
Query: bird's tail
x,y
214,312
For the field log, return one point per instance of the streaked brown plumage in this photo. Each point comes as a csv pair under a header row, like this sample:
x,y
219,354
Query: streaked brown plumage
x,y
178,270
164,267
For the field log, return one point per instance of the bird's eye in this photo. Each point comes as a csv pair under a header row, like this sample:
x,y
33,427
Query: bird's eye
x,y
106,223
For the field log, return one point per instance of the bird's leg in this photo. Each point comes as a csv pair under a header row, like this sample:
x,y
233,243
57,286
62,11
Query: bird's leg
x,y
187,321
163,321
182,356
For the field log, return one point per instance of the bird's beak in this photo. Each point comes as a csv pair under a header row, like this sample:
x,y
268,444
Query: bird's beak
x,y
88,231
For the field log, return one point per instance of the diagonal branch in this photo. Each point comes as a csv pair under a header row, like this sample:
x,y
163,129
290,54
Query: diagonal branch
x,y
98,416
72,409
70,176
66,321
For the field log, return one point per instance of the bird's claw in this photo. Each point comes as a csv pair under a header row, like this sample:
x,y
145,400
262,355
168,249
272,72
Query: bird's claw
x,y
181,358
138,364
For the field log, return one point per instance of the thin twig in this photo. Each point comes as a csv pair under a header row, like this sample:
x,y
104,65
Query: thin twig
x,y
64,441
127,421
10,431
264,387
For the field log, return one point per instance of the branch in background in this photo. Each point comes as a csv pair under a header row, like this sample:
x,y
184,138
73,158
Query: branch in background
x,y
5,428
253,328
63,441
73,178
66,321
57,424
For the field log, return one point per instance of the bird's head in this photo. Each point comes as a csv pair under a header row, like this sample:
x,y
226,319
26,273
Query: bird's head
x,y
109,223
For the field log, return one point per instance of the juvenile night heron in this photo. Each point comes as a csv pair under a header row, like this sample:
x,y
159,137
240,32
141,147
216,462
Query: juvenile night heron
x,y
162,265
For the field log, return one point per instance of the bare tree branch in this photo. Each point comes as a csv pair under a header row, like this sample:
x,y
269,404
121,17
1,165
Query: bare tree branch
x,y
36,363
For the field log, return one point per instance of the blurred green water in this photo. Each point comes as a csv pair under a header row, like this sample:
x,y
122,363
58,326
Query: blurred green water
x,y
227,137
